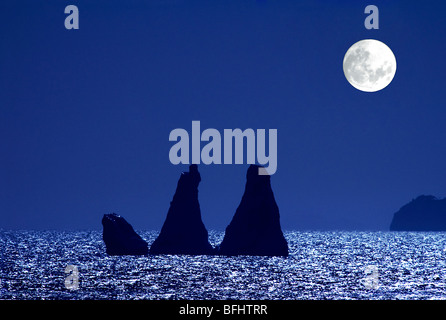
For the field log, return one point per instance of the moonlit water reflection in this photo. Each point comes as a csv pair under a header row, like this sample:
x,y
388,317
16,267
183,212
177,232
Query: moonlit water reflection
x,y
321,265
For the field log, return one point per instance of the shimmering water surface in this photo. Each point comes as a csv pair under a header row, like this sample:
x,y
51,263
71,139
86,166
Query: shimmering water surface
x,y
321,265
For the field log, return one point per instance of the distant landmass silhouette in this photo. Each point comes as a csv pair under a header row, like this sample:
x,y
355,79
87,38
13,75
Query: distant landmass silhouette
x,y
425,213
183,231
255,228
120,238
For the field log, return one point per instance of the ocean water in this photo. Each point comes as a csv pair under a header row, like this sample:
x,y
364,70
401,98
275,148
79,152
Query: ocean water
x,y
321,265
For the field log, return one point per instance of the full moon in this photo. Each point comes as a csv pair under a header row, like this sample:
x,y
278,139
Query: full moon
x,y
369,65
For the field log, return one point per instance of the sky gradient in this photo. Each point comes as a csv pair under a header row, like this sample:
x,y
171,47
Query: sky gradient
x,y
85,115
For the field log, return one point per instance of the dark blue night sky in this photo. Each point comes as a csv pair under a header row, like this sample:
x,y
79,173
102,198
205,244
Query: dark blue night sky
x,y
85,115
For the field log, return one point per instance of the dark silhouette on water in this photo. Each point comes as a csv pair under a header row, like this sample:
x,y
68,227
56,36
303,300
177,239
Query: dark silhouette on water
x,y
255,228
425,213
183,231
120,238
